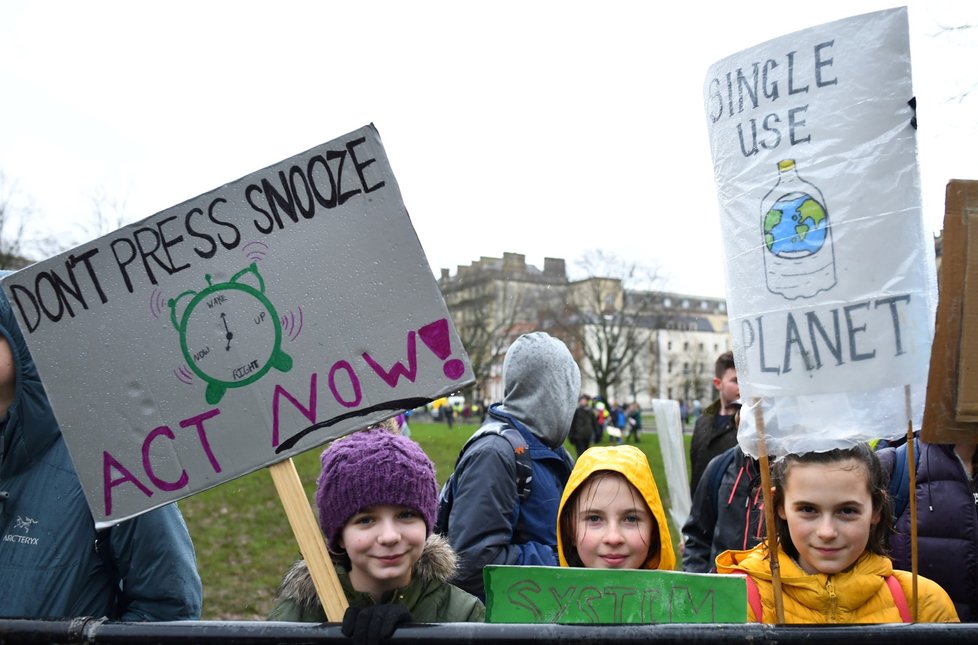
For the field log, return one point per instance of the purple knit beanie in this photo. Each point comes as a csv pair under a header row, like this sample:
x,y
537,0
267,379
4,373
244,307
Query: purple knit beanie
x,y
373,467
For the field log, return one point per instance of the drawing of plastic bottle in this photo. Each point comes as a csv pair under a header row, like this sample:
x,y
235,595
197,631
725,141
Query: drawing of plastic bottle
x,y
799,259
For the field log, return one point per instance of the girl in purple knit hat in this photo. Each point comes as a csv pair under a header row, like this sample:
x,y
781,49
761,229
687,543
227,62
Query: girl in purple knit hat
x,y
377,498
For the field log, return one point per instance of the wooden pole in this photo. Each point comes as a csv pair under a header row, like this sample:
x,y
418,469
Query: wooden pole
x,y
912,474
310,539
913,517
772,529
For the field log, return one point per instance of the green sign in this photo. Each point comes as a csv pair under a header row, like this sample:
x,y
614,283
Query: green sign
x,y
604,596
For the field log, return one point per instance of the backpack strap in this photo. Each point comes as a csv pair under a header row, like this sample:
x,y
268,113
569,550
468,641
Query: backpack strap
x,y
899,488
524,471
716,476
899,598
524,465
754,599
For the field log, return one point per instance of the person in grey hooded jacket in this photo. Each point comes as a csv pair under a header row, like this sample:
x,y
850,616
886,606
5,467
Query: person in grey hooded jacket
x,y
53,563
488,524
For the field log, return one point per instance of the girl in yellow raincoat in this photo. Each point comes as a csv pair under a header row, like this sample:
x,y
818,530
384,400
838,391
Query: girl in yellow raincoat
x,y
832,519
610,514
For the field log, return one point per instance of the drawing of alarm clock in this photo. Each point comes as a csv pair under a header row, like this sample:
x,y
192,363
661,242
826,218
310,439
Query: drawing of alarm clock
x,y
229,333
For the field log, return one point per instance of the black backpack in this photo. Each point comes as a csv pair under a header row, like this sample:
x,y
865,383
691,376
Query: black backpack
x,y
524,471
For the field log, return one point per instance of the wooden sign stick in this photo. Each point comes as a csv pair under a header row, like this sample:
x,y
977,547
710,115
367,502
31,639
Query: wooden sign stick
x,y
772,529
310,539
912,487
912,468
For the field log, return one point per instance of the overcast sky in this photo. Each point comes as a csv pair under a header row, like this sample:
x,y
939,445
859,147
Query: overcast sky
x,y
543,128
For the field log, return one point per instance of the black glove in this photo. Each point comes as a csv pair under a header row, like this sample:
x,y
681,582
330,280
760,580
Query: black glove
x,y
368,625
913,105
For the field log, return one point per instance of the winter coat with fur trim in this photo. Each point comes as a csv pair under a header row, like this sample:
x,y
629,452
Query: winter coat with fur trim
x,y
429,596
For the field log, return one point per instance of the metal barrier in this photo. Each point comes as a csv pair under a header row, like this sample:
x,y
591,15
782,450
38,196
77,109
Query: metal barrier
x,y
100,632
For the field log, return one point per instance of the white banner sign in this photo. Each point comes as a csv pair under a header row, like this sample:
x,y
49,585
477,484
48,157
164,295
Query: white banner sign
x,y
669,428
830,274
227,333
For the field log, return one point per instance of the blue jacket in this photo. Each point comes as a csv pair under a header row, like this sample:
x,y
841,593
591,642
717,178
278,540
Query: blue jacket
x,y
488,524
49,566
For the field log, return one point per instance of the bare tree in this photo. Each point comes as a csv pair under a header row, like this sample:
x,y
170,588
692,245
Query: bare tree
x,y
487,321
12,221
20,243
606,318
951,30
108,214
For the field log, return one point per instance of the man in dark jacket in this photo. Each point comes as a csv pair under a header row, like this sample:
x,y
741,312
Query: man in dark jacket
x,y
53,563
584,426
947,520
715,431
488,524
727,511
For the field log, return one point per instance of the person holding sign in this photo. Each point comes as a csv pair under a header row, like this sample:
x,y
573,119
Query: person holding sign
x,y
53,563
611,516
833,519
377,498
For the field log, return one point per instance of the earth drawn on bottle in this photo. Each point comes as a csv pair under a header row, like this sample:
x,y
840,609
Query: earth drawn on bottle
x,y
799,259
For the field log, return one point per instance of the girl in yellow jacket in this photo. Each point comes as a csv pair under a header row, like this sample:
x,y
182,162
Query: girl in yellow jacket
x,y
832,521
611,516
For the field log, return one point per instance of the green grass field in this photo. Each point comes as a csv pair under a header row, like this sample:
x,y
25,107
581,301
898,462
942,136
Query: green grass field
x,y
243,540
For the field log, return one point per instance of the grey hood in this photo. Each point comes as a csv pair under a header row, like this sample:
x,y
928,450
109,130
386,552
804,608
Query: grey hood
x,y
541,383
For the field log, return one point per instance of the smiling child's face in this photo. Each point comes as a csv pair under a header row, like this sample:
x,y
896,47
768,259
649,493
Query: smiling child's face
x,y
830,514
613,526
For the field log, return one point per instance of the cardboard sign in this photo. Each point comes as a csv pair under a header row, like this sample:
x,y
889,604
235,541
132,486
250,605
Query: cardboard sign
x,y
606,596
951,415
830,272
224,334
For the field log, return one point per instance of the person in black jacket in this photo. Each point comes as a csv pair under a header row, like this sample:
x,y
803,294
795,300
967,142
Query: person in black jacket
x,y
584,426
947,517
715,431
727,511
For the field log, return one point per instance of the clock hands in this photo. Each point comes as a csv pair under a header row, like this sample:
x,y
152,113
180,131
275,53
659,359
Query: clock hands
x,y
227,335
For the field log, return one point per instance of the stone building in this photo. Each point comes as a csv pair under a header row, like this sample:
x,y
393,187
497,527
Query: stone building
x,y
631,345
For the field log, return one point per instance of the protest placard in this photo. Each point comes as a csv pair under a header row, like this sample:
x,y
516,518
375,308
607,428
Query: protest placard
x,y
239,328
830,274
611,596
951,414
